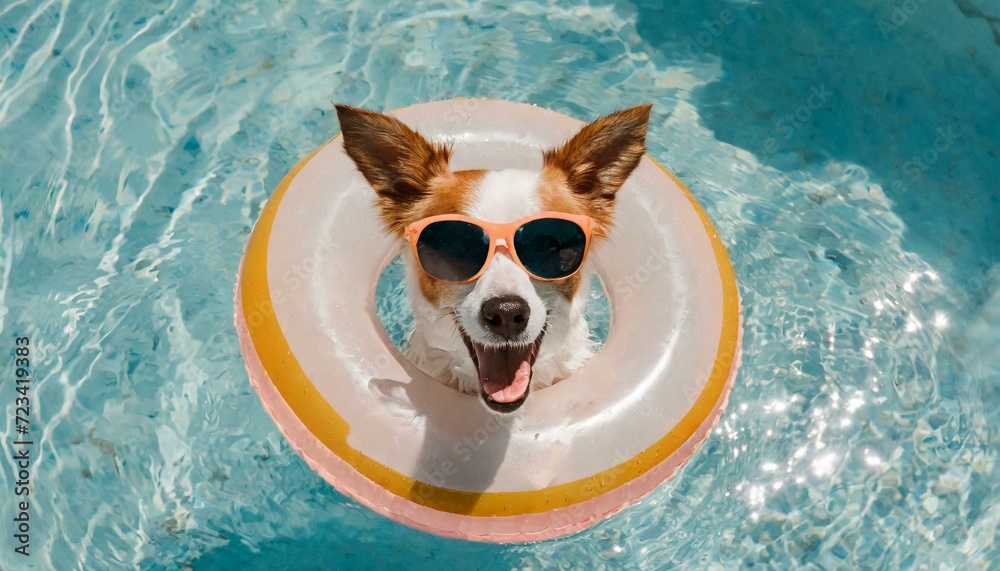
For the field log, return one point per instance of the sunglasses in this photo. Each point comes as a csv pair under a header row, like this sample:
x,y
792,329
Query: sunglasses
x,y
549,246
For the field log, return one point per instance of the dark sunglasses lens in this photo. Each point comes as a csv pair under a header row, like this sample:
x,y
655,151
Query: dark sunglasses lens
x,y
452,250
550,248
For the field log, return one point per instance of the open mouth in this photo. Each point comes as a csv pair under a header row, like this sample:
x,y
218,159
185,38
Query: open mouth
x,y
504,371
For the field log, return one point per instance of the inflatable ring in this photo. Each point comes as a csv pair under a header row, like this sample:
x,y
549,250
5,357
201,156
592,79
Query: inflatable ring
x,y
435,459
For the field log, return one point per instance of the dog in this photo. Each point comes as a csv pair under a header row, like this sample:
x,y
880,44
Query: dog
x,y
517,322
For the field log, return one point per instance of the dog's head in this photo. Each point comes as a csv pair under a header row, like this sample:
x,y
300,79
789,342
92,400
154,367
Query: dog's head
x,y
502,316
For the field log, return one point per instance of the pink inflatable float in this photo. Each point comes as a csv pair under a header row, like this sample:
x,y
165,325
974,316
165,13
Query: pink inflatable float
x,y
435,459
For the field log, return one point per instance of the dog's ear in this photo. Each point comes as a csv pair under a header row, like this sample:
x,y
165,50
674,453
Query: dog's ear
x,y
598,159
396,160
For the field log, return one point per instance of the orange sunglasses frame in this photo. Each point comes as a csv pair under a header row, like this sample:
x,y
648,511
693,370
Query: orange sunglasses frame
x,y
505,233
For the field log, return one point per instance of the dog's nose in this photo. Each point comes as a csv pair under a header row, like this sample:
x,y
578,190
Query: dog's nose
x,y
506,315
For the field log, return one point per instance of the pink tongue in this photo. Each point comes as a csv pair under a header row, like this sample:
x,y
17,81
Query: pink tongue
x,y
504,372
516,389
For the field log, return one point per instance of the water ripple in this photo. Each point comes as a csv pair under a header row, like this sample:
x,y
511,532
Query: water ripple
x,y
862,428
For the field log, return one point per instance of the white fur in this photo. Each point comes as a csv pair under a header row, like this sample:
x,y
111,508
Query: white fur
x,y
436,346
506,196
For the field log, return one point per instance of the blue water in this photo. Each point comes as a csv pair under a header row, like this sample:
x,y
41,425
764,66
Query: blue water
x,y
847,153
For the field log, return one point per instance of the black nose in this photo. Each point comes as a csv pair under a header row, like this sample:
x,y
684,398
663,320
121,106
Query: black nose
x,y
506,315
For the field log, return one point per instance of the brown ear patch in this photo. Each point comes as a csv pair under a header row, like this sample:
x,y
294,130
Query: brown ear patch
x,y
396,161
598,159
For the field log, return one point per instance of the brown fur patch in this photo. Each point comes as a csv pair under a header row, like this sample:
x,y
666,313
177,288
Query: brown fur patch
x,y
554,194
449,194
597,160
434,291
568,287
396,161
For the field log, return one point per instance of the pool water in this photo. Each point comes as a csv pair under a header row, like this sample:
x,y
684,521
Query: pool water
x,y
847,153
